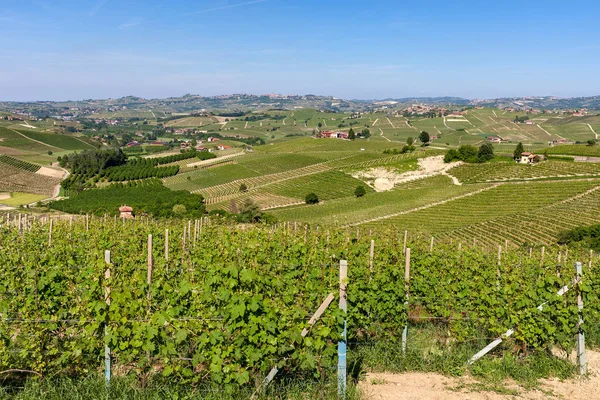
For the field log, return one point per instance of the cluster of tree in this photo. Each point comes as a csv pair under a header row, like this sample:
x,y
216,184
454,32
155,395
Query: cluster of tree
x,y
257,117
205,155
145,197
132,171
470,154
247,213
311,198
587,235
521,120
365,133
92,161
163,160
405,149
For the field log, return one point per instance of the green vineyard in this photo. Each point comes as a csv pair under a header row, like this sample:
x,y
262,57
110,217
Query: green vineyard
x,y
24,165
223,304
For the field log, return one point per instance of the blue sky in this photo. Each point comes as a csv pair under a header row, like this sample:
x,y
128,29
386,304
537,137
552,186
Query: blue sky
x,y
67,49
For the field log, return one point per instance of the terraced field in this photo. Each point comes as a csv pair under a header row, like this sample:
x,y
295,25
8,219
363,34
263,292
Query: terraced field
x,y
15,179
496,204
376,205
57,140
536,227
24,165
510,171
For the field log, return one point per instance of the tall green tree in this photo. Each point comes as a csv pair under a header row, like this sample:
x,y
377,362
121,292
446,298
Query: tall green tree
x,y
424,137
351,134
518,150
486,152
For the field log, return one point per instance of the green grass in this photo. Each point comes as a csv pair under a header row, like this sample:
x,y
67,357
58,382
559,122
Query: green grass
x,y
326,185
575,150
497,203
95,388
209,177
374,205
19,198
503,171
12,139
59,140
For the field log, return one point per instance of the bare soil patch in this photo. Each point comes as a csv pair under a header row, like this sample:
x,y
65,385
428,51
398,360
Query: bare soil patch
x,y
383,179
423,386
47,171
4,196
9,151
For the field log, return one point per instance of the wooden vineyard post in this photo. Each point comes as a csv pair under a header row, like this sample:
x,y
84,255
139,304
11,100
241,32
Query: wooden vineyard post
x,y
406,289
107,300
530,252
50,233
460,246
499,254
581,359
543,252
149,275
313,320
431,245
189,230
167,244
404,246
371,255
342,378
87,223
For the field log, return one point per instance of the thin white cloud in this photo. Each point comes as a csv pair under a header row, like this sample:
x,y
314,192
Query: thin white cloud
x,y
131,23
97,7
227,7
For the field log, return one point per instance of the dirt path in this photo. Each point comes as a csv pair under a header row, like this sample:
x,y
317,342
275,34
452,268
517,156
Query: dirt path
x,y
390,122
246,126
413,386
284,120
446,125
152,112
37,141
548,133
375,122
494,112
478,118
381,134
593,131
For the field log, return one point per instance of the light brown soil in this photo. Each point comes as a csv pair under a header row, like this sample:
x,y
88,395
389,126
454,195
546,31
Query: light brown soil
x,y
4,196
385,179
10,151
47,171
422,386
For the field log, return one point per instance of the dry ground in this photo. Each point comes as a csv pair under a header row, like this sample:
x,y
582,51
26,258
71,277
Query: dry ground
x,y
428,386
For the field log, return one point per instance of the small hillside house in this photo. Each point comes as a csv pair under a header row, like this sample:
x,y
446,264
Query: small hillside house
x,y
528,158
126,212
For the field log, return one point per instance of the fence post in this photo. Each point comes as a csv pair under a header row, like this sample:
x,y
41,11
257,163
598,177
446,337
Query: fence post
x,y
406,287
371,255
107,299
167,244
150,263
405,237
581,359
50,234
342,379
431,245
